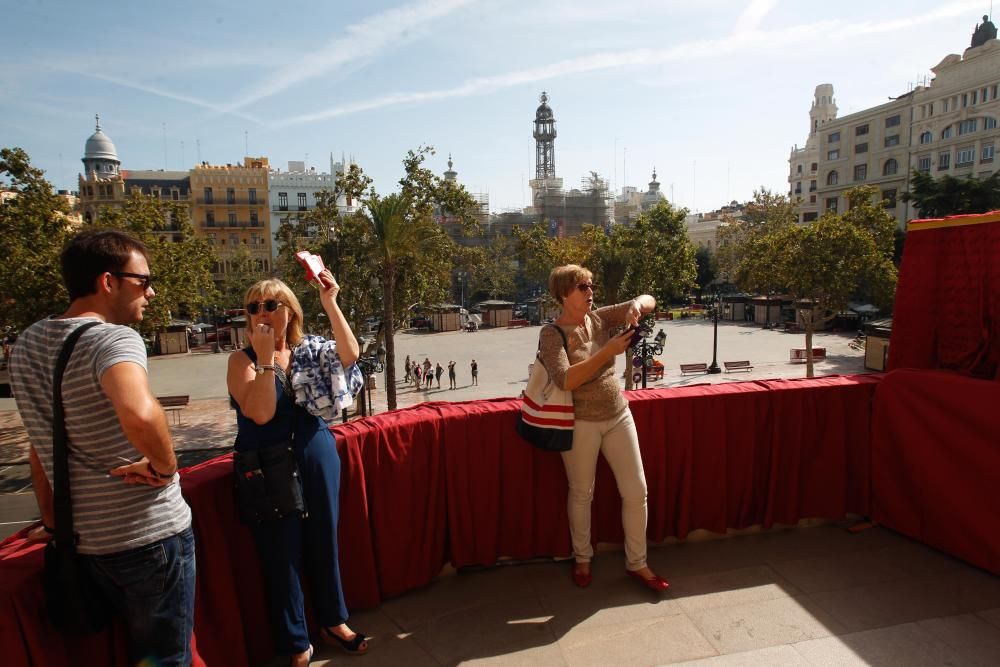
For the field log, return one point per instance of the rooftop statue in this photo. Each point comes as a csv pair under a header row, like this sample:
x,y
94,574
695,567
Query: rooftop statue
x,y
984,31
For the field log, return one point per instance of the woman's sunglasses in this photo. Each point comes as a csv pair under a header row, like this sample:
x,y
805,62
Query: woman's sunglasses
x,y
583,287
270,305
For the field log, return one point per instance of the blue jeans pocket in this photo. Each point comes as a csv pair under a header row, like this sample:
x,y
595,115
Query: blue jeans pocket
x,y
139,573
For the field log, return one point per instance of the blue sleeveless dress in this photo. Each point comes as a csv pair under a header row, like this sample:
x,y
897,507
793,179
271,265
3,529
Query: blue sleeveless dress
x,y
286,545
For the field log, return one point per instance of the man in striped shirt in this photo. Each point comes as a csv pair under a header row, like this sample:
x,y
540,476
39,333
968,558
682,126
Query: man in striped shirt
x,y
134,527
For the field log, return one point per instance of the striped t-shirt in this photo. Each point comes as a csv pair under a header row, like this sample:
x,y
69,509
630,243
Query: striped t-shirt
x,y
109,515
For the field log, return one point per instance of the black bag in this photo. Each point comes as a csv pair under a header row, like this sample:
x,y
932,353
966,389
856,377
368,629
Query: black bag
x,y
74,601
268,485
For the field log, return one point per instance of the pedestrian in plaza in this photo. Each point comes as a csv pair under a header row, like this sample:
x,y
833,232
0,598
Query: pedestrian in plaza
x,y
406,366
134,528
451,375
271,384
438,372
417,380
428,376
427,366
475,372
603,422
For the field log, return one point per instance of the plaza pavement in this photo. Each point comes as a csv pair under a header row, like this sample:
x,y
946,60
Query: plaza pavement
x,y
817,594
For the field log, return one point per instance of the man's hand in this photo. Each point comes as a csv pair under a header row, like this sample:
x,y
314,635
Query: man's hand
x,y
38,534
139,473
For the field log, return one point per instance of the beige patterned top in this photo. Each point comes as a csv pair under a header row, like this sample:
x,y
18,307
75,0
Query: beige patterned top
x,y
599,398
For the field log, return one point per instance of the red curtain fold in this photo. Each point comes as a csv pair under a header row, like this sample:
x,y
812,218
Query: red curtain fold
x,y
453,481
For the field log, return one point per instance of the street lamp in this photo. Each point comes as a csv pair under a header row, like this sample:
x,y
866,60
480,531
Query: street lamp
x,y
462,275
644,351
215,322
714,368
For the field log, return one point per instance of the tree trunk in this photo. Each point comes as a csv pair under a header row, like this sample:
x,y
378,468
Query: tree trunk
x,y
389,327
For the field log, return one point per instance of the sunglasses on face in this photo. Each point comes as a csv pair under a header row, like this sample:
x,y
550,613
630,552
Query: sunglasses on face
x,y
583,287
270,305
147,280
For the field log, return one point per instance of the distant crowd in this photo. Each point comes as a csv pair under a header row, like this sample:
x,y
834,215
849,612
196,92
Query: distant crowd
x,y
424,375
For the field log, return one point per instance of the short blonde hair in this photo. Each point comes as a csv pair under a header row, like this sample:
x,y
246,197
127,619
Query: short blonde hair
x,y
564,280
272,288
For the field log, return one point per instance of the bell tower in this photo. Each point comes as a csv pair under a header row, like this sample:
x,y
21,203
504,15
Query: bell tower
x,y
545,140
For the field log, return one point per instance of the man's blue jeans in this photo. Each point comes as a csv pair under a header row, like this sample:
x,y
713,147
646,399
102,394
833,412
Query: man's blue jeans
x,y
152,588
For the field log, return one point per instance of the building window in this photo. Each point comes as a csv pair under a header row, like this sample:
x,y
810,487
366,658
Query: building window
x,y
282,201
230,196
924,163
833,155
989,123
860,172
965,100
946,133
210,218
834,137
965,157
810,216
234,239
891,167
211,239
799,170
993,91
813,167
812,186
252,195
926,137
232,218
944,102
798,188
302,201
175,195
889,198
831,204
208,196
967,126
892,140
861,148
254,220
832,178
861,130
987,153
892,121
944,161
812,199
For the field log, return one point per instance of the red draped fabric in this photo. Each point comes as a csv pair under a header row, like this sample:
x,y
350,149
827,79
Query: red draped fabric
x,y
948,296
452,482
936,462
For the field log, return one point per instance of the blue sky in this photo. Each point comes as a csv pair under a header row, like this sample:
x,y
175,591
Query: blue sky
x,y
712,93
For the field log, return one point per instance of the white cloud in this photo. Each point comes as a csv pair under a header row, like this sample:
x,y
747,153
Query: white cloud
x,y
745,42
752,16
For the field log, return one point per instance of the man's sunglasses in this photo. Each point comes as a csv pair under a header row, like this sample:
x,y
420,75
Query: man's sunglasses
x,y
147,280
270,305
583,287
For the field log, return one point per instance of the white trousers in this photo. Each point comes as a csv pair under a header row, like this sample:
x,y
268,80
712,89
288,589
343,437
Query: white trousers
x,y
617,439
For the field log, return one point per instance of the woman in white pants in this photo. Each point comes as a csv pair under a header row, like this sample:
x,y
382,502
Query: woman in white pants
x,y
603,421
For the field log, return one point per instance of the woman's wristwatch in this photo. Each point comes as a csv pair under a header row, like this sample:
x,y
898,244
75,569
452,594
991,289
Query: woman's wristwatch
x,y
260,368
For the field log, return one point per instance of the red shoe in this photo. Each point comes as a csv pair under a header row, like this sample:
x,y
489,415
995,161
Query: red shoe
x,y
656,583
581,579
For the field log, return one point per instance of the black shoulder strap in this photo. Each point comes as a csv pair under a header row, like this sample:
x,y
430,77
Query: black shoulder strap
x,y
562,334
60,450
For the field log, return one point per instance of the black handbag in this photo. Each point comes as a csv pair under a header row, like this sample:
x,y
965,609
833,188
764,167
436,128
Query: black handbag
x,y
268,485
74,601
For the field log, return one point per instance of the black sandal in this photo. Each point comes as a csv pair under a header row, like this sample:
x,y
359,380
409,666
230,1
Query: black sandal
x,y
355,646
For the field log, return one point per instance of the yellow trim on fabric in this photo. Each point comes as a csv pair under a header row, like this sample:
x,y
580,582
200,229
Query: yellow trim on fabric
x,y
958,221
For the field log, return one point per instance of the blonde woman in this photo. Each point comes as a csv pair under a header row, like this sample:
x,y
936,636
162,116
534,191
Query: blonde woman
x,y
260,387
603,423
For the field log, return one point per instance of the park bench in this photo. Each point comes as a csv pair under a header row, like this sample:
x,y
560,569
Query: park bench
x,y
173,405
737,366
693,368
517,323
798,354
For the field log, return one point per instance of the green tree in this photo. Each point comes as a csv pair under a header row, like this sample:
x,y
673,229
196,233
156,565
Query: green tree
x,y
33,229
708,268
938,197
741,240
822,264
495,275
413,255
659,255
242,270
180,262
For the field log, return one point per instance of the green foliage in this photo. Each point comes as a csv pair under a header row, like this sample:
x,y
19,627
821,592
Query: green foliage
x,y
180,262
743,248
708,267
495,276
938,197
243,271
33,229
659,256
